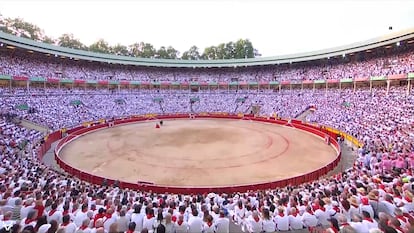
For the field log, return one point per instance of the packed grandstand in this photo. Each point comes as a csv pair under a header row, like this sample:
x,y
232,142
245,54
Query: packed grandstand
x,y
366,95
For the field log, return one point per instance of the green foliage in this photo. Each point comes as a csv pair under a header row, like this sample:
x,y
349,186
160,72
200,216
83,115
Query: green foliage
x,y
100,46
69,41
231,50
119,50
240,49
145,50
191,54
48,40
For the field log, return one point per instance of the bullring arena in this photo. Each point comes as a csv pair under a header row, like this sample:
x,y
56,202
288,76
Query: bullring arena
x,y
241,147
223,152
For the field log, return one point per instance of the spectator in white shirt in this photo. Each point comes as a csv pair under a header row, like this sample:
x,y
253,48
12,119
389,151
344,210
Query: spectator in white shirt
x,y
195,223
295,220
253,223
222,224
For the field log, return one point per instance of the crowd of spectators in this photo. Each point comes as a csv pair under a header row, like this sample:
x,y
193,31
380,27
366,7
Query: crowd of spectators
x,y
375,195
36,65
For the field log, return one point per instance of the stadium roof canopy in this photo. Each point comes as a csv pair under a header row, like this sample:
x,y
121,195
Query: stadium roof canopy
x,y
23,43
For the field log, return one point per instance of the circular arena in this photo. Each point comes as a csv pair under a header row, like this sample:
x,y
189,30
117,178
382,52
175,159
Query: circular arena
x,y
227,152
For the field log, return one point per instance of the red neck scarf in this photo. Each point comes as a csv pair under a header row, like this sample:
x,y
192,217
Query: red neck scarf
x,y
209,224
281,214
402,218
65,212
310,212
256,219
322,208
129,231
369,219
389,201
83,227
334,229
28,221
345,224
180,222
149,216
65,224
174,218
407,199
52,212
399,228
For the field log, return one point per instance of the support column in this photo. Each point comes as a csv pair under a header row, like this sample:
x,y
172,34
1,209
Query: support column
x,y
388,86
408,87
370,86
354,86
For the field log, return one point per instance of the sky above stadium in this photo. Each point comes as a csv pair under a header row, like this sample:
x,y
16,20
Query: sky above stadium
x,y
274,27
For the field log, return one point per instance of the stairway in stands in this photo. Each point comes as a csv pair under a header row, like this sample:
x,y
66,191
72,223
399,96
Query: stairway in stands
x,y
31,125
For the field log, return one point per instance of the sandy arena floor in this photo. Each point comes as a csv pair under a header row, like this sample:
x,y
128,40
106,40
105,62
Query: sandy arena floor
x,y
198,152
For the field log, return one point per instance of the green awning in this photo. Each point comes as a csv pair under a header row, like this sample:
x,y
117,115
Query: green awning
x,y
113,82
37,79
23,106
175,83
411,75
242,100
158,100
319,81
66,81
194,84
378,78
135,83
5,77
212,83
253,83
273,82
75,102
91,82
119,101
346,80
234,83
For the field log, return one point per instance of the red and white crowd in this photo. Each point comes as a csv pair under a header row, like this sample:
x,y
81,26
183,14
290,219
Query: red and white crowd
x,y
400,61
375,195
